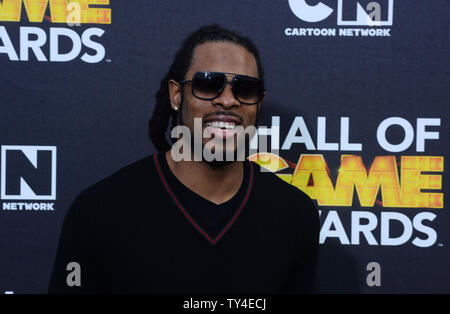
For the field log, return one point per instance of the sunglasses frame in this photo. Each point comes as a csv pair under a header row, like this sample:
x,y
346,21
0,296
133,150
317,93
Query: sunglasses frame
x,y
226,82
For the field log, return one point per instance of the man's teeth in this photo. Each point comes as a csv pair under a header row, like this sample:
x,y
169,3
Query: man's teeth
x,y
222,125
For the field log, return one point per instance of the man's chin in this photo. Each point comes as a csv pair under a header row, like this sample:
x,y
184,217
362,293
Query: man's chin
x,y
218,164
219,155
221,158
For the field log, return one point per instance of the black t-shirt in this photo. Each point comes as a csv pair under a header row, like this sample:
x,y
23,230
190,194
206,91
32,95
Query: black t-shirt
x,y
142,231
210,217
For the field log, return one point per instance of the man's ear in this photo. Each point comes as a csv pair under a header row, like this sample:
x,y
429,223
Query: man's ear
x,y
175,94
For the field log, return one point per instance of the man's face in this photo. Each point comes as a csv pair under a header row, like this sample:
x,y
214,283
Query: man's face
x,y
217,57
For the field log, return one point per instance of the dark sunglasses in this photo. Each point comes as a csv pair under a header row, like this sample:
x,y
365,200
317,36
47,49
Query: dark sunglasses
x,y
209,85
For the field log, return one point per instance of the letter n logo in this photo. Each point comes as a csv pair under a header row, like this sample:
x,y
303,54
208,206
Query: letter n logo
x,y
28,172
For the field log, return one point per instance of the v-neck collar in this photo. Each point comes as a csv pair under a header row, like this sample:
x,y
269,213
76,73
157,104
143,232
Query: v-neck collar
x,y
243,192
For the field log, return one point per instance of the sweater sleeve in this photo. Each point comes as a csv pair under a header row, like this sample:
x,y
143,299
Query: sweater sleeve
x,y
77,267
303,272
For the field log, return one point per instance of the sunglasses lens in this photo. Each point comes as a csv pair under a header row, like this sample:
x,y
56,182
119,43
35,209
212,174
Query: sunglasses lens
x,y
247,89
207,85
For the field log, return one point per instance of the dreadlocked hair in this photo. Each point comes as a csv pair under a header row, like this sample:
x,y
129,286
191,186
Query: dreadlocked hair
x,y
163,112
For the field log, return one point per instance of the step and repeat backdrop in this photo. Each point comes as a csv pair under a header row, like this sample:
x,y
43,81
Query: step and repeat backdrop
x,y
355,115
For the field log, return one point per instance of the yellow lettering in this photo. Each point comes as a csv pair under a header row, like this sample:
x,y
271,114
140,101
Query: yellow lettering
x,y
352,173
312,176
273,163
413,181
10,10
94,15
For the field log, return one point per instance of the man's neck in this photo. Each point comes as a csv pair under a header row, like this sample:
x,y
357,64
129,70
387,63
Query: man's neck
x,y
216,184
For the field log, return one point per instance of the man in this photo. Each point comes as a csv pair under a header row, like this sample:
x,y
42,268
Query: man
x,y
194,226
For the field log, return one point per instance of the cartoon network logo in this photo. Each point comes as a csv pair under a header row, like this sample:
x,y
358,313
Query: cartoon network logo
x,y
372,15
43,44
28,173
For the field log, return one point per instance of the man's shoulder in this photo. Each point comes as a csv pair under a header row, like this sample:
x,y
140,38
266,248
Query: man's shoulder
x,y
130,178
271,187
270,181
286,203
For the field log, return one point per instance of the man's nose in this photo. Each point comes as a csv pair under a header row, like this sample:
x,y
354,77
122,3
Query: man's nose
x,y
226,98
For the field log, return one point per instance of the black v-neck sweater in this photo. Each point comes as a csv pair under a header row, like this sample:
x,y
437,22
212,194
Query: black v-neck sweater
x,y
142,231
211,219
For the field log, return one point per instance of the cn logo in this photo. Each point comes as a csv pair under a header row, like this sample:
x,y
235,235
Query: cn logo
x,y
310,13
28,172
366,15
